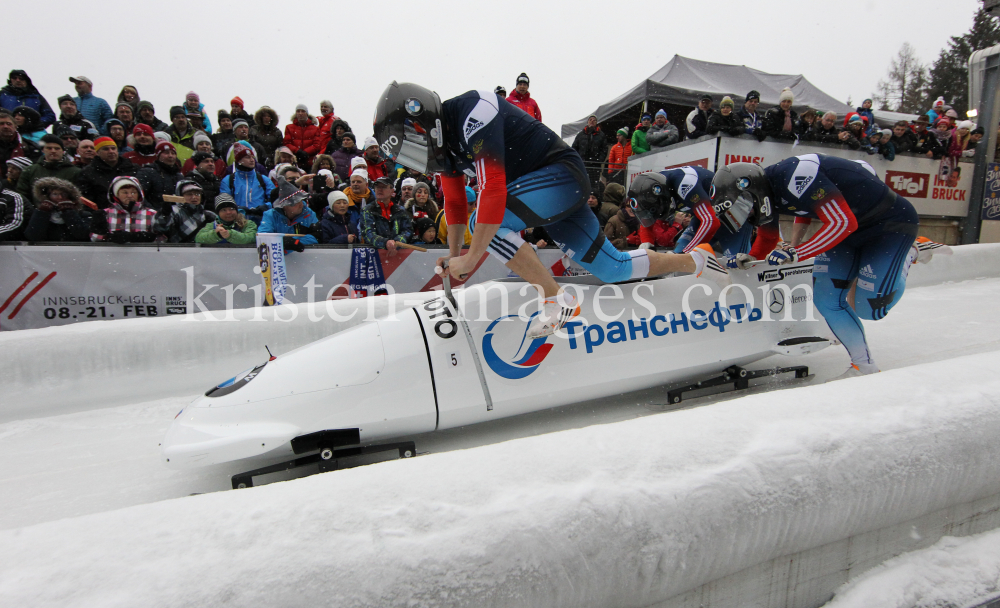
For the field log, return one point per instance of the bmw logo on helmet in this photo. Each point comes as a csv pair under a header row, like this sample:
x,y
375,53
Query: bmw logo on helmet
x,y
413,106
743,184
657,190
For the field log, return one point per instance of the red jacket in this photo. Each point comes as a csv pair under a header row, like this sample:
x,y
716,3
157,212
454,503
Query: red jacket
x,y
303,137
661,233
526,103
618,156
379,169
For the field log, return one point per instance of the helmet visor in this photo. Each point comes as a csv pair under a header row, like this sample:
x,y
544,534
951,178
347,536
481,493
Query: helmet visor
x,y
643,214
416,151
737,213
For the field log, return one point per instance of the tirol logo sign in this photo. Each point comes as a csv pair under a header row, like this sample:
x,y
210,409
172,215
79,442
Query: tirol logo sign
x,y
907,184
527,358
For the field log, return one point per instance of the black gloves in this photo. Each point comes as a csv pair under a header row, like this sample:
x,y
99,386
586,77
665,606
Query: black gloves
x,y
293,244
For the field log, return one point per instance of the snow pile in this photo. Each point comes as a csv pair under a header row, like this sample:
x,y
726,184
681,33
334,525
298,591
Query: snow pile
x,y
967,262
57,370
952,572
630,513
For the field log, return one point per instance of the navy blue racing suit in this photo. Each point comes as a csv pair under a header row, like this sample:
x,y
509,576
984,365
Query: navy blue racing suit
x,y
528,177
689,188
867,234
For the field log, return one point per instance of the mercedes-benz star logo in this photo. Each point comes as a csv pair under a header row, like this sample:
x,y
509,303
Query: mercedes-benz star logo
x,y
775,301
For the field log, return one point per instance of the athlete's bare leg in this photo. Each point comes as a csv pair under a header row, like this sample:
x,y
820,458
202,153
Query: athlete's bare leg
x,y
663,263
526,265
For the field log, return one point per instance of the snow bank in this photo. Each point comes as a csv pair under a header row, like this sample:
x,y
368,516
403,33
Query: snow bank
x,y
966,263
58,370
625,514
952,572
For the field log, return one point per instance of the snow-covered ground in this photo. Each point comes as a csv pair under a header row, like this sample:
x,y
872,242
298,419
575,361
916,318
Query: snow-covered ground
x,y
602,503
954,572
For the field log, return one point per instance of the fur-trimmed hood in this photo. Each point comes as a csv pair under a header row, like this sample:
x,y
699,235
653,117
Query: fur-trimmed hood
x,y
44,185
258,117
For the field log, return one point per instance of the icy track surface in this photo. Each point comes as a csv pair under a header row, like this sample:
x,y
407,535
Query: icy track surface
x,y
952,572
93,461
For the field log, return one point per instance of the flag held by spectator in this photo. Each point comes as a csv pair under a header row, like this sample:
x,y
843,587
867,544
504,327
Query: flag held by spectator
x,y
273,276
367,278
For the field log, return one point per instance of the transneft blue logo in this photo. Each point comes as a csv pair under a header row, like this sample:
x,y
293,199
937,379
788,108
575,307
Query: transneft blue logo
x,y
524,364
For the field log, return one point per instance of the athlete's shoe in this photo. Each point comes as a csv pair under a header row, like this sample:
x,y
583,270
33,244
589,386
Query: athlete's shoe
x,y
927,248
555,313
707,267
856,370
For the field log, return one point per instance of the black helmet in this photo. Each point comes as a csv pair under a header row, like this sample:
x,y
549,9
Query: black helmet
x,y
649,197
408,127
740,194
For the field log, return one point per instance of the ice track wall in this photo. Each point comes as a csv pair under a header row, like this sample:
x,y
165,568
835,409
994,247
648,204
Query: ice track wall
x,y
59,370
627,514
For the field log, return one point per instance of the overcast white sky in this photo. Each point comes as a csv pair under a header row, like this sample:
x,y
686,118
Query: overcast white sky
x,y
578,54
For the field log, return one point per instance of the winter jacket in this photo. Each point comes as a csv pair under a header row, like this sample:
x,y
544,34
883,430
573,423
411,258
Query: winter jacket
x,y
342,156
618,157
906,143
324,123
639,145
774,124
205,122
29,96
335,228
95,179
305,226
268,137
620,227
751,122
377,230
140,156
186,140
429,209
604,212
697,122
661,137
210,185
237,236
526,103
823,135
94,109
730,125
591,145
927,142
15,212
327,145
62,168
158,179
80,126
382,168
803,129
181,222
303,137
71,226
866,114
155,123
665,234
115,224
222,141
249,189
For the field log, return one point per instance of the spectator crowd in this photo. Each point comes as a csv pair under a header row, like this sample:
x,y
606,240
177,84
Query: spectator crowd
x,y
84,171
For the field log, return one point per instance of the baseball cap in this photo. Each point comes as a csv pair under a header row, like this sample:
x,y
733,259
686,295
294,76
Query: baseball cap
x,y
76,79
385,181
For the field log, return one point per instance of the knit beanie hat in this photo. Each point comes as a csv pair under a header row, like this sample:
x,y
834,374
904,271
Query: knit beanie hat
x,y
21,162
192,96
185,185
111,122
125,180
359,161
951,114
408,181
160,147
65,98
939,102
236,101
965,124
198,157
145,104
523,78
361,172
238,122
200,137
241,151
142,128
753,95
786,94
102,142
224,114
727,101
161,136
856,118
121,104
886,132
48,138
175,110
288,193
661,112
623,131
646,116
335,196
301,106
370,141
223,200
351,135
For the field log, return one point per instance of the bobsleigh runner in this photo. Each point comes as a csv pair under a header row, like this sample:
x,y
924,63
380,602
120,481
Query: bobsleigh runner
x,y
462,358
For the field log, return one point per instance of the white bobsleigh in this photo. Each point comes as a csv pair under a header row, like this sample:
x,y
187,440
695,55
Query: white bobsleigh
x,y
460,360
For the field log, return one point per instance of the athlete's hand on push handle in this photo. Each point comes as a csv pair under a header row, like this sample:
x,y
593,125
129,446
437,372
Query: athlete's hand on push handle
x,y
779,256
740,261
455,267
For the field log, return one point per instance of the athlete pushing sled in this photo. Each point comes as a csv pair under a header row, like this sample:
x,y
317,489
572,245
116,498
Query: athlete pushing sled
x,y
868,234
528,177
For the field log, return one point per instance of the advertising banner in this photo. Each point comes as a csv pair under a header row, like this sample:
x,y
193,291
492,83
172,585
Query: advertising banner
x,y
45,285
273,274
913,177
699,153
991,196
